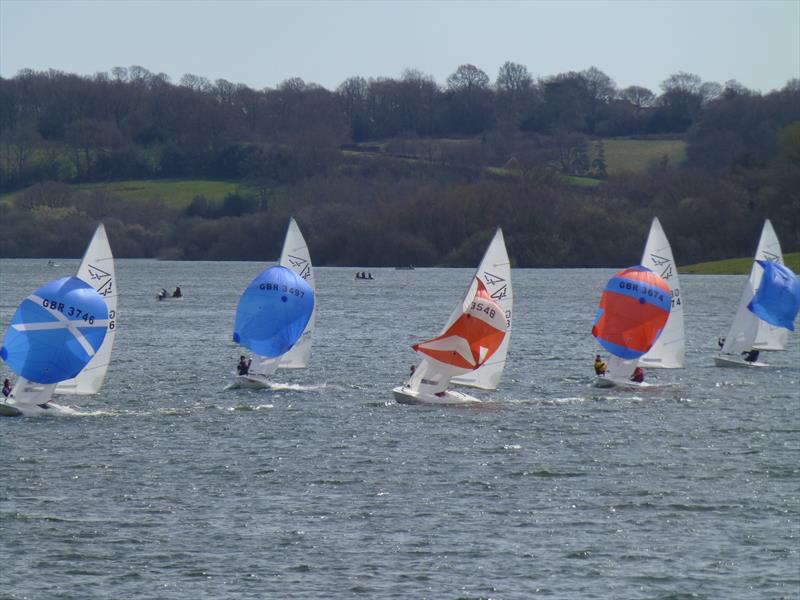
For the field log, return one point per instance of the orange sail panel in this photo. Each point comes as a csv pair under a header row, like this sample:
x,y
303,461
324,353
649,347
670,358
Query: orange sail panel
x,y
472,338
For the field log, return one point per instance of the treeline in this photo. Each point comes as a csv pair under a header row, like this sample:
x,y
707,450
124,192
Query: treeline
x,y
132,123
377,215
396,171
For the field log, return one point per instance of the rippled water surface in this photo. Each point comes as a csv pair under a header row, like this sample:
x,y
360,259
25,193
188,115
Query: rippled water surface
x,y
170,487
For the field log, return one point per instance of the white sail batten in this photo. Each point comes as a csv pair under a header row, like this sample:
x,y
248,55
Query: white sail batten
x,y
494,271
96,269
669,350
295,256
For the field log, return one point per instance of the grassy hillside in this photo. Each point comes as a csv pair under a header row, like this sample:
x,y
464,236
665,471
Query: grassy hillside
x,y
637,155
736,266
177,193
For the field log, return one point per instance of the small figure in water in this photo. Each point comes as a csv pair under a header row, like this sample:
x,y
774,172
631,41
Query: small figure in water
x,y
177,293
7,388
638,375
243,368
721,342
369,276
599,366
750,356
162,294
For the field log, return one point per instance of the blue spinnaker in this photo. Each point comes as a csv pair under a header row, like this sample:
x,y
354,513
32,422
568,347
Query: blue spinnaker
x,y
273,312
778,298
56,331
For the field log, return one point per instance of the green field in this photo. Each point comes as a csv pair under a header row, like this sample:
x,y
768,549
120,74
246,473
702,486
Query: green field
x,y
638,155
177,193
735,266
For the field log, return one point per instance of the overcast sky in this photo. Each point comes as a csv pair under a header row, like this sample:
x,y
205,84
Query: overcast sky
x,y
261,43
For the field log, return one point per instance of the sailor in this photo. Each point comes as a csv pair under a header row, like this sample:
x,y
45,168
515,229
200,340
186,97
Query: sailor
x,y
599,366
6,388
721,342
243,368
162,294
750,356
638,375
177,293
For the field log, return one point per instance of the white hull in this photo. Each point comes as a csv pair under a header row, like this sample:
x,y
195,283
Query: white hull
x,y
251,381
608,382
11,408
405,395
736,363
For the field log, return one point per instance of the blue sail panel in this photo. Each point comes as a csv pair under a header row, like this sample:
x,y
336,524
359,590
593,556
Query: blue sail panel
x,y
273,312
778,297
56,331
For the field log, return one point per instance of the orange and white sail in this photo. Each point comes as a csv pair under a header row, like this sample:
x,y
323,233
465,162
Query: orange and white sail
x,y
471,339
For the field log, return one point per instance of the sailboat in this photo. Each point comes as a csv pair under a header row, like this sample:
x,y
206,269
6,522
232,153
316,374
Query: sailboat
x,y
30,397
670,347
633,312
295,258
473,346
748,331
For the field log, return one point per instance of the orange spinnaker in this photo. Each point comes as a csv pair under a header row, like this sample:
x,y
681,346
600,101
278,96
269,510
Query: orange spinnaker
x,y
472,338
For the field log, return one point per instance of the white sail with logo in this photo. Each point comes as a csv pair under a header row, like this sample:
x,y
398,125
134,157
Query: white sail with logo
x,y
97,269
494,271
768,337
296,257
669,350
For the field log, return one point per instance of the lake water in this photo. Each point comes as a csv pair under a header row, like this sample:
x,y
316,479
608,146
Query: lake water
x,y
171,487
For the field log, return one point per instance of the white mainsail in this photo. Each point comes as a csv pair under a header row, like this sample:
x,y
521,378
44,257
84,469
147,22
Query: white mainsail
x,y
767,337
97,269
748,331
295,256
668,351
494,271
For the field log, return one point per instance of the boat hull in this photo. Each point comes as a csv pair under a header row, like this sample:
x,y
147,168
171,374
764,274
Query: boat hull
x,y
10,408
734,362
251,381
607,382
405,395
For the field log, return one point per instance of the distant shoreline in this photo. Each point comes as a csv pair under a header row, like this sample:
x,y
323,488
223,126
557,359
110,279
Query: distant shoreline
x,y
734,266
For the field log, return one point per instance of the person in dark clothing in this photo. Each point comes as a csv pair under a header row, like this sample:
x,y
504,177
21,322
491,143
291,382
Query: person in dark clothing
x,y
750,356
177,293
243,368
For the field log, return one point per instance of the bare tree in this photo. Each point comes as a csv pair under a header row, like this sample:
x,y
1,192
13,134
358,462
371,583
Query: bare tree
x,y
467,77
639,96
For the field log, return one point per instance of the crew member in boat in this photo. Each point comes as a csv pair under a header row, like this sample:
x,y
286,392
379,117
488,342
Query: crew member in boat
x,y
177,293
750,356
243,368
6,388
638,375
162,294
721,342
599,366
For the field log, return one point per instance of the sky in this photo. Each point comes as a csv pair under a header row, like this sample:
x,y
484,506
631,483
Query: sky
x,y
262,43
